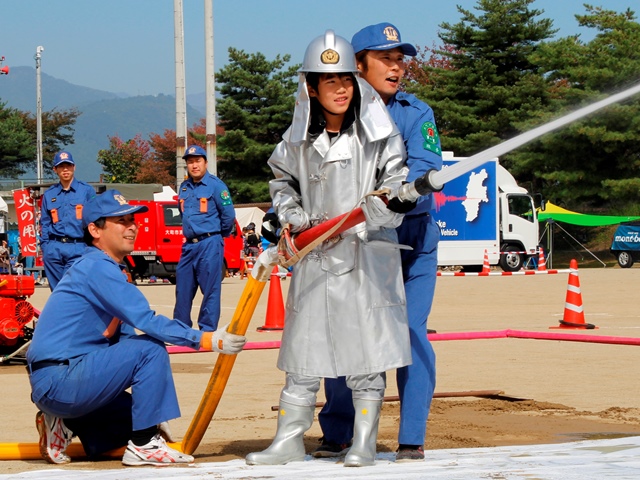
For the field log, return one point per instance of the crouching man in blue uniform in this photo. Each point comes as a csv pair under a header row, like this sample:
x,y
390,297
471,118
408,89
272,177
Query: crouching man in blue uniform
x,y
85,352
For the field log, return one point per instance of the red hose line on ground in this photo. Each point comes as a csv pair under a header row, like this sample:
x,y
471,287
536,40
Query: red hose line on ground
x,y
247,346
501,274
436,337
567,337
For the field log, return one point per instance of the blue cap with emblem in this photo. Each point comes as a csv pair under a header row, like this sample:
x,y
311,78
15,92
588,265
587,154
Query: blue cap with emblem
x,y
382,36
110,203
63,157
195,151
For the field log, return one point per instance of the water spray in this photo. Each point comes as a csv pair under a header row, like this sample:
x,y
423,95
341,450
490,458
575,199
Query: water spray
x,y
433,181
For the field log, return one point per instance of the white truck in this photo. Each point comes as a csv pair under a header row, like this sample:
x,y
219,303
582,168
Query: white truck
x,y
485,211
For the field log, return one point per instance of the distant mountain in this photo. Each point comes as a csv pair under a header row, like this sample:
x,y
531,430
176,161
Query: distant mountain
x,y
18,89
104,114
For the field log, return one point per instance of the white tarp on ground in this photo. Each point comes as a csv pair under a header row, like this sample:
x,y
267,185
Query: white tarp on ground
x,y
601,459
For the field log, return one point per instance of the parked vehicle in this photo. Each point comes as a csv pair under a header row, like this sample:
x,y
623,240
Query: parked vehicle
x,y
626,244
485,211
159,243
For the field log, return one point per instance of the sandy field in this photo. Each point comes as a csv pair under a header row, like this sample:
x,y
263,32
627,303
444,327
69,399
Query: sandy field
x,y
538,391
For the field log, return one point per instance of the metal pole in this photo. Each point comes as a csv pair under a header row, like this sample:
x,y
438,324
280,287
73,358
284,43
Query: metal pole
x,y
210,88
39,162
181,98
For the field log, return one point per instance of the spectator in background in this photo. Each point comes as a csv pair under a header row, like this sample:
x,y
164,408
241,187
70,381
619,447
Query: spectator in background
x,y
5,258
252,241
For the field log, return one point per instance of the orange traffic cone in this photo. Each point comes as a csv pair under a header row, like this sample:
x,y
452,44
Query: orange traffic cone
x,y
486,268
275,305
573,311
542,263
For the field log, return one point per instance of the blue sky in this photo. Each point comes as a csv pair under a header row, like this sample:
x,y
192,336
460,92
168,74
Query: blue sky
x,y
127,45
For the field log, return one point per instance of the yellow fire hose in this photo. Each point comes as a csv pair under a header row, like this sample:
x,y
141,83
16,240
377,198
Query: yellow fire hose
x,y
218,381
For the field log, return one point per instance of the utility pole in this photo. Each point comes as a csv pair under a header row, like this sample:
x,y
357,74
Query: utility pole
x,y
38,58
181,98
210,88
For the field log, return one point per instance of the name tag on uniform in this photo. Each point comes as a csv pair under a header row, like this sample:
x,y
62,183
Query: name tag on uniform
x,y
203,205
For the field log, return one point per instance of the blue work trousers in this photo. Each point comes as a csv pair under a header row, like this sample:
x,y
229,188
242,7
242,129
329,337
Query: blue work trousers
x,y
58,257
416,382
200,265
97,381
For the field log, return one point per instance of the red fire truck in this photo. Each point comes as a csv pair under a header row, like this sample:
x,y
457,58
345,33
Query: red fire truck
x,y
159,243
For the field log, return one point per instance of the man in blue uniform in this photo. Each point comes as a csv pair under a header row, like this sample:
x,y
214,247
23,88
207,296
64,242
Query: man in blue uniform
x,y
61,219
207,216
85,353
380,55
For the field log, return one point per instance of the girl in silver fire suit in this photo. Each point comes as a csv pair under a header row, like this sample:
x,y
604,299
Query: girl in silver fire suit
x,y
345,312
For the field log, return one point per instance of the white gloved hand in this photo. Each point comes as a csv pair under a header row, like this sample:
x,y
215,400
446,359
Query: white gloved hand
x,y
378,215
297,219
227,343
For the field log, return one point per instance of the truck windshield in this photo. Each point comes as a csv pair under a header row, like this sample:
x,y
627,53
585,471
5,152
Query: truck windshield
x,y
521,206
172,216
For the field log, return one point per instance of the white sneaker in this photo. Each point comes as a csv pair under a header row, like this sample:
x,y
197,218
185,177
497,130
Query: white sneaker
x,y
156,452
55,437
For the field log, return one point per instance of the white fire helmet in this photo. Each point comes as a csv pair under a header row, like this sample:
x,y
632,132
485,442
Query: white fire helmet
x,y
329,53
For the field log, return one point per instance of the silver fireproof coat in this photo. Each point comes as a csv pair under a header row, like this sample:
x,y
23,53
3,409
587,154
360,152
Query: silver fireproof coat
x,y
345,311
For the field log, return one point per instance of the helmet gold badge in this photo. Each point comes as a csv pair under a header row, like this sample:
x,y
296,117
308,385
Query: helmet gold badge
x,y
330,56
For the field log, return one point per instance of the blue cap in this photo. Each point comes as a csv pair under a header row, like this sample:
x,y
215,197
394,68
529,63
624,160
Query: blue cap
x,y
110,203
63,157
195,151
382,36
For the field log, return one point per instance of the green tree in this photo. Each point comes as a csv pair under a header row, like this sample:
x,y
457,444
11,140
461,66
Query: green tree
x,y
17,147
256,108
484,84
57,133
594,162
122,161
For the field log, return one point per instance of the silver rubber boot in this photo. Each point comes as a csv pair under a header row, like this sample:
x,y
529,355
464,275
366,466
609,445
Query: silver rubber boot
x,y
363,451
287,446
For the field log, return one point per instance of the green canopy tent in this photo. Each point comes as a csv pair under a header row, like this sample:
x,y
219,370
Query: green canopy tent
x,y
552,214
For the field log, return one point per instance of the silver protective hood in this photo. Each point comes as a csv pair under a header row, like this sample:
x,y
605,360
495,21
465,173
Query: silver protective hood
x,y
373,113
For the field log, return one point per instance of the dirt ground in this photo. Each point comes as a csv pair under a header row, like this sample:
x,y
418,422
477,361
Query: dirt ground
x,y
540,391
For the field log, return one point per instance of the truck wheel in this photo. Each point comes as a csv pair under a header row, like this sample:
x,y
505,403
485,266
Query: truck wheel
x,y
510,261
625,260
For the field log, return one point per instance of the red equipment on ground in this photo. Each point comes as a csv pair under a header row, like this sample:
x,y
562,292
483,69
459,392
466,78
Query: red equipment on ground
x,y
15,311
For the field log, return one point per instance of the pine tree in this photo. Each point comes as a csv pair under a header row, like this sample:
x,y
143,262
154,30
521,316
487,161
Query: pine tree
x,y
255,110
594,162
490,85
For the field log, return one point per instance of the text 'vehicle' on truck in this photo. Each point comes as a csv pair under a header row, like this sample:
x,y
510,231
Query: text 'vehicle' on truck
x,y
485,212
